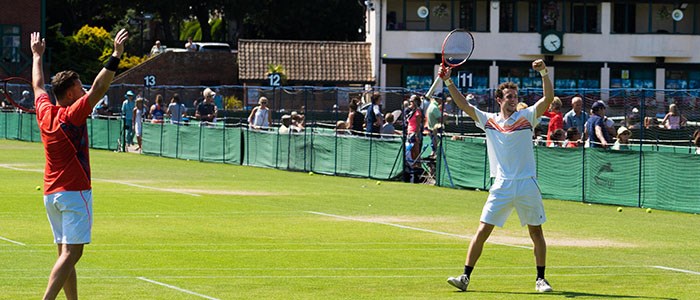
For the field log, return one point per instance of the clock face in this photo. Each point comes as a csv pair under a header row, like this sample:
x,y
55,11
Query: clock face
x,y
551,42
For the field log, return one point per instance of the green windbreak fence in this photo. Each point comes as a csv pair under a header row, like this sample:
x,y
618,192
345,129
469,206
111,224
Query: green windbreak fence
x,y
645,176
104,133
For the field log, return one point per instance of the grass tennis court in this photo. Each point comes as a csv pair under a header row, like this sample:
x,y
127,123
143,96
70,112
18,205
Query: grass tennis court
x,y
174,229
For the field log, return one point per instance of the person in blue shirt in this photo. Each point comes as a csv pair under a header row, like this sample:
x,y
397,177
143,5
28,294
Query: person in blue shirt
x,y
127,112
598,134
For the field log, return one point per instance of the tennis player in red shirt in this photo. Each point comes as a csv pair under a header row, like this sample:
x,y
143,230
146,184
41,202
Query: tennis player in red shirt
x,y
67,188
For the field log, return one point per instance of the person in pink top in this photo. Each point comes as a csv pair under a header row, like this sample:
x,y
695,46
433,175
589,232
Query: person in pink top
x,y
673,119
414,128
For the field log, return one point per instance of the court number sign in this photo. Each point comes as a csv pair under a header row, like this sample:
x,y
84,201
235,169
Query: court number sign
x,y
275,79
149,80
464,79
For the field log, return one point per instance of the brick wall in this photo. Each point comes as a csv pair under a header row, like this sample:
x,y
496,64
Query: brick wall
x,y
27,15
185,68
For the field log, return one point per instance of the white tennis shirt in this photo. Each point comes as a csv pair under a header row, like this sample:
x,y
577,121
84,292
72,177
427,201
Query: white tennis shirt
x,y
509,143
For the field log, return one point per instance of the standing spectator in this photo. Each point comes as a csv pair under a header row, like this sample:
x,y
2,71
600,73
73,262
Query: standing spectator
x,y
157,49
374,119
556,119
190,45
623,139
67,177
137,117
598,134
260,116
576,117
414,129
157,111
673,119
206,110
176,111
433,117
127,115
355,118
512,165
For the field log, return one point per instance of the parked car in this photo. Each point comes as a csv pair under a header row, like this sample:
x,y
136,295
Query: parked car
x,y
207,47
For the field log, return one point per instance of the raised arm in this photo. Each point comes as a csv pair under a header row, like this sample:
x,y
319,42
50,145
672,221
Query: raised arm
x,y
104,78
547,88
38,46
458,98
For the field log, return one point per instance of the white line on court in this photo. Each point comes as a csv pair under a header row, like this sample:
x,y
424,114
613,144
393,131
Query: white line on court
x,y
176,288
11,241
676,270
11,167
412,228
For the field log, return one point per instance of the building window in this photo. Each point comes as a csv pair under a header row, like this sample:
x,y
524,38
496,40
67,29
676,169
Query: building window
x,y
576,78
682,79
646,17
624,16
418,77
523,77
642,78
10,47
584,17
443,15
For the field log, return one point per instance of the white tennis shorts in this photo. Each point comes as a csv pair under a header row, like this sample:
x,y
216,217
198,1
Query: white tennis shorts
x,y
522,194
70,216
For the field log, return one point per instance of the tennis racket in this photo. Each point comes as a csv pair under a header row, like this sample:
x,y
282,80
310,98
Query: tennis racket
x,y
456,50
18,92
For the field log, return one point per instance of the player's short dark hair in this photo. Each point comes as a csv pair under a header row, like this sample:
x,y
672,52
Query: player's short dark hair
x,y
63,81
503,86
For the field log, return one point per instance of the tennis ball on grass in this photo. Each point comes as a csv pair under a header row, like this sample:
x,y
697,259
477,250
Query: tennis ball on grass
x,y
38,188
379,183
311,173
619,209
648,210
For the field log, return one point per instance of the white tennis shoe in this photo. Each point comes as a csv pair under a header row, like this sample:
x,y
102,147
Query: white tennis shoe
x,y
542,285
461,282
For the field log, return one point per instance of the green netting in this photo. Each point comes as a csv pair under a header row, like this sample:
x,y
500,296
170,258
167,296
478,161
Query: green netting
x,y
668,179
104,133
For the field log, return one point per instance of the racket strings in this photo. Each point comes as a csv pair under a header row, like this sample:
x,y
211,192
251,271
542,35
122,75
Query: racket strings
x,y
458,47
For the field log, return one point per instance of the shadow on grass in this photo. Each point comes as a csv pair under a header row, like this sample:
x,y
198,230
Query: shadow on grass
x,y
567,294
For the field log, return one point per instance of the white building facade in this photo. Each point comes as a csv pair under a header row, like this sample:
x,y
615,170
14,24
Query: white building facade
x,y
604,44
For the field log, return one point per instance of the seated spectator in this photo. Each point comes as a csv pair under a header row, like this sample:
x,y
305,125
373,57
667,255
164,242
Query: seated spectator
x,y
573,138
26,100
157,110
537,138
157,49
651,122
101,108
286,124
206,110
176,111
388,127
556,138
341,128
623,139
673,119
634,120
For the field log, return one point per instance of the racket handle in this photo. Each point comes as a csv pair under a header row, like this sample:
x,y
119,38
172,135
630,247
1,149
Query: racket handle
x,y
431,91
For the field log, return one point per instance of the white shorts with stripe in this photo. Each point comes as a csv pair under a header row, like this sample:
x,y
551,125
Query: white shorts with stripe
x,y
70,216
505,195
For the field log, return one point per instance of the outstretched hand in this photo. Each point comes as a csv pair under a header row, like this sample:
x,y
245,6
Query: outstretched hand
x,y
119,42
445,71
37,43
